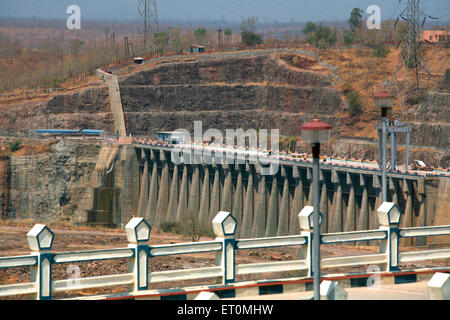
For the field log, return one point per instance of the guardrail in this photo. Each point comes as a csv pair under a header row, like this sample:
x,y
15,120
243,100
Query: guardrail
x,y
138,252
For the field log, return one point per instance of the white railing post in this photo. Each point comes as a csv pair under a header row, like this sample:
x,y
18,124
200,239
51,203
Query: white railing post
x,y
389,219
306,220
138,233
40,240
224,226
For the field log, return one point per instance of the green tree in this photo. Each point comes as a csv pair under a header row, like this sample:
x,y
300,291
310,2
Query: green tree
x,y
354,102
228,32
14,145
200,35
349,37
248,34
161,40
355,21
322,37
309,28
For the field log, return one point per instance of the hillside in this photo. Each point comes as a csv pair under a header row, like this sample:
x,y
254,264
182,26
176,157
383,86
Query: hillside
x,y
271,88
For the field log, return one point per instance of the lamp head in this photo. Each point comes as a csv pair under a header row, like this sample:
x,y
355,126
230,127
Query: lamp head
x,y
315,131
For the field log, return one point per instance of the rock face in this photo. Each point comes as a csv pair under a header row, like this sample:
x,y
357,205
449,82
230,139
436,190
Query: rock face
x,y
4,186
48,187
86,109
258,92
431,119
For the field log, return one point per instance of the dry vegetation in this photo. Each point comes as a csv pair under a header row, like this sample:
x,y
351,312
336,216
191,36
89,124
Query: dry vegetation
x,y
361,71
15,147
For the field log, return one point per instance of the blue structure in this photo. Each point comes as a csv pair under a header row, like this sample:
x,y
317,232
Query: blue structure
x,y
70,131
57,131
92,131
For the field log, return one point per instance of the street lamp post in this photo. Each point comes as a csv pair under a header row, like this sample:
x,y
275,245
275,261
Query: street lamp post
x,y
384,100
316,132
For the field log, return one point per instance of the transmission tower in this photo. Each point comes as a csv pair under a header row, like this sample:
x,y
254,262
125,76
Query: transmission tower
x,y
411,56
411,53
147,22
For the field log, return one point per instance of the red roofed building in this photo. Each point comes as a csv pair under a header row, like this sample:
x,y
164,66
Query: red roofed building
x,y
436,36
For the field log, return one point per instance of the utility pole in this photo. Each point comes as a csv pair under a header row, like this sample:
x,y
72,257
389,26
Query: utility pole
x,y
219,33
127,47
147,21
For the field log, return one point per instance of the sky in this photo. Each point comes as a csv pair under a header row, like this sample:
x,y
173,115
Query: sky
x,y
215,10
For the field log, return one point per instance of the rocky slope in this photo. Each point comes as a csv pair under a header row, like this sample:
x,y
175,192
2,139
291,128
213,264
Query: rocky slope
x,y
227,92
267,87
47,186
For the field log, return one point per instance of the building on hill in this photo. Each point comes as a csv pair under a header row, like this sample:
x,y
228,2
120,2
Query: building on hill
x,y
436,36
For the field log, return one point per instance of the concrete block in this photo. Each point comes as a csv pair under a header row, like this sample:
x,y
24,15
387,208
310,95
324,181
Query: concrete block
x,y
439,287
424,276
331,290
294,287
247,292
224,224
138,230
205,295
40,237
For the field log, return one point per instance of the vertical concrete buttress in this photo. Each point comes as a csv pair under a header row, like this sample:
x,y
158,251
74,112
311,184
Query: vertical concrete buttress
x,y
215,196
182,203
349,221
336,223
283,217
363,221
204,201
173,197
324,208
238,201
247,219
143,191
407,216
153,193
163,197
259,221
272,213
226,204
297,206
194,192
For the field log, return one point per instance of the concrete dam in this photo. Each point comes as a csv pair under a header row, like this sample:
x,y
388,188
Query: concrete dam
x,y
154,187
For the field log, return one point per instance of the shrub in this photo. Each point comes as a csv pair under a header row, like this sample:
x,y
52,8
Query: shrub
x,y
348,87
354,103
15,145
168,227
190,227
381,51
